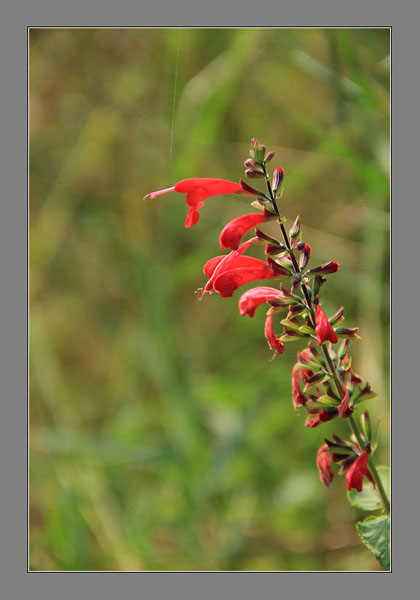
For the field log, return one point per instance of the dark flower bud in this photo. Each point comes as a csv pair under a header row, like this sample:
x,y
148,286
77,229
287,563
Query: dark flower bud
x,y
268,238
254,174
249,189
277,268
367,393
348,333
249,163
312,349
342,445
338,317
304,257
295,228
273,248
278,176
328,267
337,457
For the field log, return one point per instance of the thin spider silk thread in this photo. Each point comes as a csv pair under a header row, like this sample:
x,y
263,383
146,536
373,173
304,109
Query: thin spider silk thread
x,y
171,144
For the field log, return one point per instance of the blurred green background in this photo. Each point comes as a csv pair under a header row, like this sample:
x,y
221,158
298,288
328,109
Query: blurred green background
x,y
161,435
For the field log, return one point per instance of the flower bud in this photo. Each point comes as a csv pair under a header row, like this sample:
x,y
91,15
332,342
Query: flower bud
x,y
254,173
249,163
304,257
338,317
295,228
271,240
278,176
249,189
269,156
328,267
348,333
257,150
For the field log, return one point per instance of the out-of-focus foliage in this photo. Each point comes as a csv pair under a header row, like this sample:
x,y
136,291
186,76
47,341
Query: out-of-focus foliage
x,y
161,435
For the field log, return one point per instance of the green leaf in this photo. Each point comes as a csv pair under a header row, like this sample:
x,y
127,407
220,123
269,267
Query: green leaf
x,y
375,534
368,498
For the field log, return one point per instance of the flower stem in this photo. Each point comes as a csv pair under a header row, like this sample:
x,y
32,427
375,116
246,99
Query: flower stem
x,y
332,368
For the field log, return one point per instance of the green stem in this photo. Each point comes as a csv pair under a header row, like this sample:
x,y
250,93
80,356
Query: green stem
x,y
332,368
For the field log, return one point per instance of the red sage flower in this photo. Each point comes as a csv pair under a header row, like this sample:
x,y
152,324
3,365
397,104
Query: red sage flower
x,y
227,273
323,462
197,190
233,232
355,474
251,299
323,328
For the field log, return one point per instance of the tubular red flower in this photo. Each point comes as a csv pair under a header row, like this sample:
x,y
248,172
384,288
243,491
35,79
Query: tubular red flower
x,y
233,232
251,299
323,462
299,399
226,273
273,341
197,190
355,474
252,269
323,328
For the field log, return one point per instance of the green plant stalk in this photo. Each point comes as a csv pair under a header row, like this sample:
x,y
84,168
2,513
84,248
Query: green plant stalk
x,y
333,372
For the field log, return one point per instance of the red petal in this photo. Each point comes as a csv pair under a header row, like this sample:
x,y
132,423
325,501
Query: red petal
x,y
299,399
251,299
355,474
324,329
323,462
228,281
228,261
211,264
198,189
233,232
273,341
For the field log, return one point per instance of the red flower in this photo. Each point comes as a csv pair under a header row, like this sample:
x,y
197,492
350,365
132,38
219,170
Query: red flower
x,y
323,462
299,399
197,190
344,408
273,341
251,299
323,417
323,328
233,232
228,272
355,474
